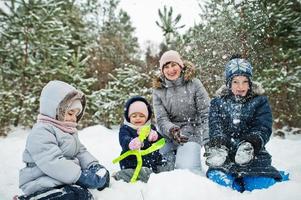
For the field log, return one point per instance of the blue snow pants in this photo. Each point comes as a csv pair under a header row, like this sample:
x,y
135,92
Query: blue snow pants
x,y
247,183
65,192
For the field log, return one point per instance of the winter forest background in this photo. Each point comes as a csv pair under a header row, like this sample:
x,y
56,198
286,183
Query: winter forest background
x,y
91,44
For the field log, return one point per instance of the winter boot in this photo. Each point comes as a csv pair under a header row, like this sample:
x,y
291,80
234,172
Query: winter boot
x,y
66,192
127,174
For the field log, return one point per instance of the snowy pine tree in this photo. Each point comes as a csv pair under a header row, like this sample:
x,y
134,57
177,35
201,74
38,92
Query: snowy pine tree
x,y
267,33
169,25
130,80
116,44
40,41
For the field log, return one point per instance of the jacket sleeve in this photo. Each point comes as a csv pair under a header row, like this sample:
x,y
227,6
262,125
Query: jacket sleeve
x,y
260,125
161,115
202,106
124,138
45,152
216,135
85,158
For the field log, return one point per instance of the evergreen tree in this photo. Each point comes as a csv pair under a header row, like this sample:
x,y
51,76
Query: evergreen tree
x,y
274,36
169,25
265,32
151,58
116,44
39,41
130,80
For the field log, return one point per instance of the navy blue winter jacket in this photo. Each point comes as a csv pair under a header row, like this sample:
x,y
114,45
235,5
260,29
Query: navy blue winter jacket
x,y
232,121
152,160
127,133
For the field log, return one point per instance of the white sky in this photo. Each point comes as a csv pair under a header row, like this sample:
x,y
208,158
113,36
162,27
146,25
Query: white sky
x,y
144,14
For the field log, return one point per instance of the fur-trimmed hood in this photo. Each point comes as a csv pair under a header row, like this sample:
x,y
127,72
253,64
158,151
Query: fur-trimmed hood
x,y
188,73
257,89
57,96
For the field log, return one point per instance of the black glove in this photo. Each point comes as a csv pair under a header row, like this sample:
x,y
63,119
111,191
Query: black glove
x,y
177,136
244,153
216,156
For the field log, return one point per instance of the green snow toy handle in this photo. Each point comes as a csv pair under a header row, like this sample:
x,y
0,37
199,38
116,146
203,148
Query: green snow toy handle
x,y
144,132
139,153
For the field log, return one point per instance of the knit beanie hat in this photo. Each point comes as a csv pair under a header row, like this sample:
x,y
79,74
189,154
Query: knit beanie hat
x,y
76,104
140,107
237,67
133,100
170,56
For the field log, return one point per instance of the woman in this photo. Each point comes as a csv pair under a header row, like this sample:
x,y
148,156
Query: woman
x,y
181,105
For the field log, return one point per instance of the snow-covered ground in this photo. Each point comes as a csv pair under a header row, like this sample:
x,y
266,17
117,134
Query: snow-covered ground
x,y
175,185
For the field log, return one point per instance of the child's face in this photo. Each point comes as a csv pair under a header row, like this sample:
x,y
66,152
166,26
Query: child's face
x,y
137,119
71,115
240,86
172,71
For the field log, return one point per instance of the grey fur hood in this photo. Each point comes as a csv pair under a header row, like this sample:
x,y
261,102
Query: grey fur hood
x,y
189,72
57,96
257,89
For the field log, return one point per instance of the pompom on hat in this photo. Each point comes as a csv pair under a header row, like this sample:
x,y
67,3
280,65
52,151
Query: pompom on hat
x,y
170,56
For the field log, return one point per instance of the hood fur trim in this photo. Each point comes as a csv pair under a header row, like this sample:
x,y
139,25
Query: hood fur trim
x,y
189,72
65,103
257,89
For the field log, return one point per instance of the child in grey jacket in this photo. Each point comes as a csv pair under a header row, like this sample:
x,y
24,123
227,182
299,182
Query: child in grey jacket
x,y
181,105
56,163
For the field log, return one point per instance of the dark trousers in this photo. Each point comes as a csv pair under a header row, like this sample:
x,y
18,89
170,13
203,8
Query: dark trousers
x,y
65,192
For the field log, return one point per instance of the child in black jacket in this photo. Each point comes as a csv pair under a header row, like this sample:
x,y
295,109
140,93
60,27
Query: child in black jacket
x,y
137,113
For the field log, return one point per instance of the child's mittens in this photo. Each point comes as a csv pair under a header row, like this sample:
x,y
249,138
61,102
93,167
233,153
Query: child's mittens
x,y
153,136
135,144
216,156
244,153
105,175
89,179
95,167
139,130
102,172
